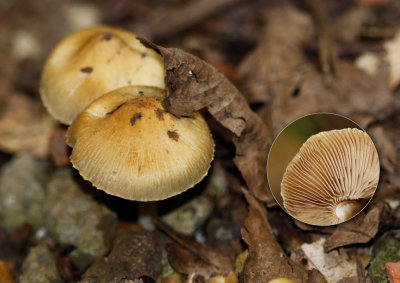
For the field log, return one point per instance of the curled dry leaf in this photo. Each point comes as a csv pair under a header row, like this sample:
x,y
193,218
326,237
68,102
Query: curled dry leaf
x,y
266,259
24,126
358,230
193,84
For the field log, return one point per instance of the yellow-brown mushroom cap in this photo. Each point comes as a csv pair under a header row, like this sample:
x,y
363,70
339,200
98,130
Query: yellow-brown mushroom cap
x,y
91,62
127,145
331,178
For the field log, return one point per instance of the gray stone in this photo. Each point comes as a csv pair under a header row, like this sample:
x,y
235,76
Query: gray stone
x,y
75,218
22,193
40,267
190,216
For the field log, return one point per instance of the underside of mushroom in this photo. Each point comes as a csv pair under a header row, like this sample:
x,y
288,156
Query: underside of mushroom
x,y
331,178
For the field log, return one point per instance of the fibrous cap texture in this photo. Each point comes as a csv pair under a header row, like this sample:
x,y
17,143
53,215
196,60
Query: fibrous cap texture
x,y
91,62
126,144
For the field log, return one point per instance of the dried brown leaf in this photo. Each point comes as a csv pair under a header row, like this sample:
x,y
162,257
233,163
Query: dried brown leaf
x,y
24,126
386,149
294,85
186,262
58,148
266,259
5,275
189,256
277,54
360,229
193,84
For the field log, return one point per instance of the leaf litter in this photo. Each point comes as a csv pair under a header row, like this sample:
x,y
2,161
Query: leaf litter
x,y
277,66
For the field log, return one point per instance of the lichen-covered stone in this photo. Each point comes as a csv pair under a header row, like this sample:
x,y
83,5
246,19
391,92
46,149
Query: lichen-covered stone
x,y
221,232
190,216
73,217
386,250
40,267
22,193
163,241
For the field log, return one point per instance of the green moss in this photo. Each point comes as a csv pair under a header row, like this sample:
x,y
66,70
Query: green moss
x,y
387,250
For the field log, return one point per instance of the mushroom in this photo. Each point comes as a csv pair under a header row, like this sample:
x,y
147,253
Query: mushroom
x,y
331,178
91,62
127,145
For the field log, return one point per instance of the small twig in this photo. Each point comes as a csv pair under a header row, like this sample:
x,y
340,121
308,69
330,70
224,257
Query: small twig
x,y
326,39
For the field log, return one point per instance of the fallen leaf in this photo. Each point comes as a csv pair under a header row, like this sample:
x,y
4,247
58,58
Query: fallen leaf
x,y
188,256
24,126
266,259
335,266
5,275
349,24
277,54
193,84
386,149
360,229
294,85
186,262
373,2
58,148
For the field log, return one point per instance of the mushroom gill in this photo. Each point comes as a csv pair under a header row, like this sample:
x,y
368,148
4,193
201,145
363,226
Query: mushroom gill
x,y
331,178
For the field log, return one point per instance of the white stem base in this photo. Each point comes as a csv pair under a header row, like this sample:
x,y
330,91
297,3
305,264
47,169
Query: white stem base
x,y
347,209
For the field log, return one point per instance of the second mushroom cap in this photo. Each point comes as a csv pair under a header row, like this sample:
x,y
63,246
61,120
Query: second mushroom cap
x,y
91,62
126,144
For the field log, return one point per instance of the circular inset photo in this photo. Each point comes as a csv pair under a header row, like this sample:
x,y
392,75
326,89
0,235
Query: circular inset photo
x,y
323,169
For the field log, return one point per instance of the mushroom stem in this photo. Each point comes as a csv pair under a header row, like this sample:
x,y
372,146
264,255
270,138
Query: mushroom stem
x,y
347,209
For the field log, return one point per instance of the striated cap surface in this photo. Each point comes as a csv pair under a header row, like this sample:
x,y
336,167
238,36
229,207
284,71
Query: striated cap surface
x,y
127,145
91,62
